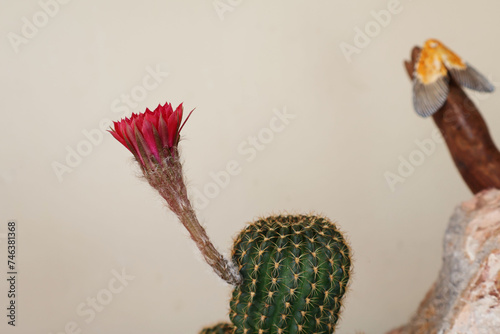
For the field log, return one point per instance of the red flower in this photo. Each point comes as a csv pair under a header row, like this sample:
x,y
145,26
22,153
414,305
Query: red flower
x,y
151,136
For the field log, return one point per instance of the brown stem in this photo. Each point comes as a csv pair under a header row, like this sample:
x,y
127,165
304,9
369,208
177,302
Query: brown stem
x,y
168,179
222,267
467,136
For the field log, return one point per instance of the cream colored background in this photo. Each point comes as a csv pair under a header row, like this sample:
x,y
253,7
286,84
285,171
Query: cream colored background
x,y
353,121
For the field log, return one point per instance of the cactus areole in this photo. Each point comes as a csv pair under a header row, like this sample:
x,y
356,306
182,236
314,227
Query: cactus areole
x,y
295,271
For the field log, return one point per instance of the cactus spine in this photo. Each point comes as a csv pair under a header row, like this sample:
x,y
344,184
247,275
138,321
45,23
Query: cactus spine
x,y
295,271
220,328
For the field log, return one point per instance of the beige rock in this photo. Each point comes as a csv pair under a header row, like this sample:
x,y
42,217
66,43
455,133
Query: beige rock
x,y
466,296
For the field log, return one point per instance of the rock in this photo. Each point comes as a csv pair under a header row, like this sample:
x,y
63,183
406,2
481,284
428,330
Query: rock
x,y
466,296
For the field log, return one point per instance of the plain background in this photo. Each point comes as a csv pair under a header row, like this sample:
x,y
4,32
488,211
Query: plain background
x,y
353,122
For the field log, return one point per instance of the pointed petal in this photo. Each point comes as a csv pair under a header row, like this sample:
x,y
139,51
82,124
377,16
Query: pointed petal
x,y
180,110
173,124
152,118
144,150
159,145
118,137
163,132
116,132
133,141
167,110
123,130
184,123
160,110
147,133
138,121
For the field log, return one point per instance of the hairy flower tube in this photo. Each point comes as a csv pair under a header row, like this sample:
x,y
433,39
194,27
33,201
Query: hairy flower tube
x,y
152,137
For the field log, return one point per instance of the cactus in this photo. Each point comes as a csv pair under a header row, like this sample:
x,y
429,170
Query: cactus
x,y
290,272
295,270
220,328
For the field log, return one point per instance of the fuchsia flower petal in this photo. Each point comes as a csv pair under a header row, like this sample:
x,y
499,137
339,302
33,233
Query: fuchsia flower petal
x,y
163,131
150,134
150,117
118,134
146,153
133,141
173,124
149,137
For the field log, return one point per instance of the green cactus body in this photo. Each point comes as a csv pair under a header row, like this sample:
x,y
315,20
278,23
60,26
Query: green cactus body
x,y
220,328
295,271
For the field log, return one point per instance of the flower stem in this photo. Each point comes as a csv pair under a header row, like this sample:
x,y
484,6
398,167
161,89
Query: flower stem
x,y
168,179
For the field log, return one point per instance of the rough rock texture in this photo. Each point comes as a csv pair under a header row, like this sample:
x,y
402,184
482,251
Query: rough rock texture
x,y
466,296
